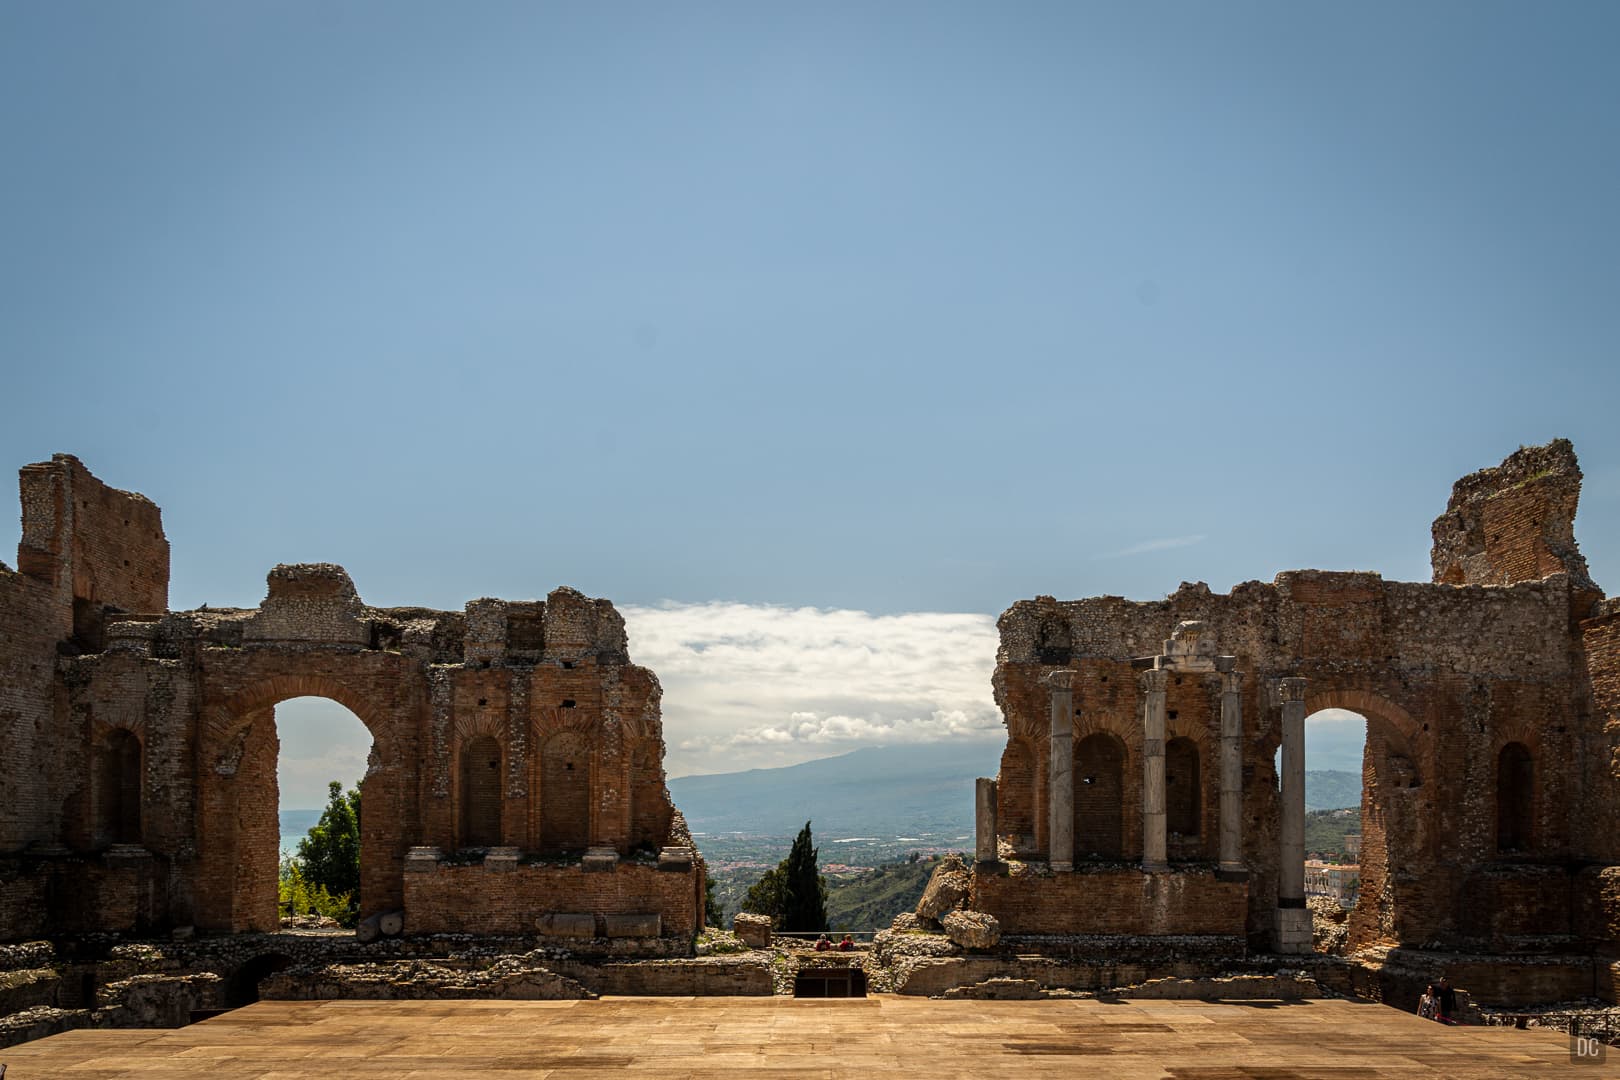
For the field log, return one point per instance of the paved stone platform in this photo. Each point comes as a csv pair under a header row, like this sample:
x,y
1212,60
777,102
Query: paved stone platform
x,y
675,1038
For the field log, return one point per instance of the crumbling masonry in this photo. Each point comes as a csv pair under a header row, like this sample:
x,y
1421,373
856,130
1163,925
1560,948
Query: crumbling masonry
x,y
515,784
1137,793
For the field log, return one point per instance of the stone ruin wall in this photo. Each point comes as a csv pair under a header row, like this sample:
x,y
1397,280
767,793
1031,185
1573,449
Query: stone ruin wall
x,y
1512,643
532,707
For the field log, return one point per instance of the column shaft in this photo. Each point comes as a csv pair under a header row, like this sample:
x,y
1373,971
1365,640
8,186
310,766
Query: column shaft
x,y
984,847
1232,773
1153,816
1291,876
1060,773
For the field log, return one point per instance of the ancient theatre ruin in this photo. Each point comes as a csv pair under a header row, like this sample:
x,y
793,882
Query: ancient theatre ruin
x,y
1137,793
515,784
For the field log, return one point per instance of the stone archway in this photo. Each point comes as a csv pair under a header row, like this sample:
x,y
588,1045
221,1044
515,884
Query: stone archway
x,y
1394,829
239,833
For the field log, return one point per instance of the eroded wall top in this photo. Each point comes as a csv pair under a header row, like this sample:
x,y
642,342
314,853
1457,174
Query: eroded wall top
x,y
1514,522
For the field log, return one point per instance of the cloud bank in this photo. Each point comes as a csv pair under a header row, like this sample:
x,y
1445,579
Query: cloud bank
x,y
753,685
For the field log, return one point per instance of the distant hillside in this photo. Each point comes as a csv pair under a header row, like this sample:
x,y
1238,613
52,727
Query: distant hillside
x,y
870,901
884,790
888,791
1332,790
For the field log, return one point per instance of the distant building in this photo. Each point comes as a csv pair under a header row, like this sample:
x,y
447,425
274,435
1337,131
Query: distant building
x,y
1352,845
1341,881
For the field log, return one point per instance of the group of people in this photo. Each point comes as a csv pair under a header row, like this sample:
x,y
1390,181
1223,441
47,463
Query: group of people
x,y
825,943
1439,1002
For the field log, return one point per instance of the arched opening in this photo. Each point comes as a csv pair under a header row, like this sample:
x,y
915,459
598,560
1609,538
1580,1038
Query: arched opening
x,y
1099,789
480,792
1364,813
565,793
1515,798
311,744
118,789
1183,790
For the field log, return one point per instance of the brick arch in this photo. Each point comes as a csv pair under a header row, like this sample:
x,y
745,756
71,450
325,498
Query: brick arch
x,y
234,713
1371,706
470,725
556,719
1127,728
1186,727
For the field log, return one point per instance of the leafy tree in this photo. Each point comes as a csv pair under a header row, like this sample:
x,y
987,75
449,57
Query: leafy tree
x,y
296,896
766,896
329,857
714,912
804,899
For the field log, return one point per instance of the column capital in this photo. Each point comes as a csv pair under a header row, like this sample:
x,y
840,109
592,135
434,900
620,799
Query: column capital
x,y
1061,679
1154,682
1290,689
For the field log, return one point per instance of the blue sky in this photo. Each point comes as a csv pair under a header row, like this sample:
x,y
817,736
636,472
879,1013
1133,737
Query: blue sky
x,y
893,309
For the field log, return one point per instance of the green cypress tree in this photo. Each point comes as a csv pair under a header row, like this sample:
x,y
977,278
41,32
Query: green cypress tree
x,y
804,900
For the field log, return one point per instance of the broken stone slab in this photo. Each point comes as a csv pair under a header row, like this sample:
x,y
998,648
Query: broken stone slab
x,y
971,929
676,857
907,920
501,858
947,889
420,859
753,930
600,860
633,926
566,924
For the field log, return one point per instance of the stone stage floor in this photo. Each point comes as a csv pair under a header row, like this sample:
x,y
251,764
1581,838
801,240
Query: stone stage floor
x,y
779,1038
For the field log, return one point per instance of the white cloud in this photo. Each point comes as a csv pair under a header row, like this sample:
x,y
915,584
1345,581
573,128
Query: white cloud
x,y
753,685
1165,543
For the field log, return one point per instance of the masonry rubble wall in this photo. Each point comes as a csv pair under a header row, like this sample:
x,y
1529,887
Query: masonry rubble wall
x,y
140,793
1511,643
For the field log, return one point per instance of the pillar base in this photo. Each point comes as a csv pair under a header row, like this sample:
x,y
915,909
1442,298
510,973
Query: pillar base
x,y
1155,868
1232,873
1062,867
1291,933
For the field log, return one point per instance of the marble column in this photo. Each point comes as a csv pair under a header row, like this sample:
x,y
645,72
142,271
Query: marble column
x,y
1293,919
1232,773
1153,815
1060,773
984,847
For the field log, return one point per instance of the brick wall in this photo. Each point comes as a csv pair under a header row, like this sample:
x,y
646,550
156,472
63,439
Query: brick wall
x,y
1118,901
481,899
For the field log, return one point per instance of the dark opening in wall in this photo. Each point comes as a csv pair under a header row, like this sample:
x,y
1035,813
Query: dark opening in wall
x,y
1183,791
829,983
1099,791
1515,798
118,789
243,987
481,793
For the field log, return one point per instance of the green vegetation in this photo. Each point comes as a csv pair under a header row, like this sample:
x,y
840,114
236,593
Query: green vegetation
x,y
1325,831
870,901
296,896
793,894
324,877
714,913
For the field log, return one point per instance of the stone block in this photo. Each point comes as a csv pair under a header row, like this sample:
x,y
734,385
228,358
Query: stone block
x,y
947,889
600,860
971,929
422,859
677,858
569,925
633,926
501,859
753,930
